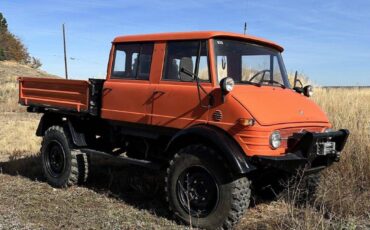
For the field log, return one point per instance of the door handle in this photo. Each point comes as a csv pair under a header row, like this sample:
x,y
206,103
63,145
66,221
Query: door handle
x,y
106,91
158,92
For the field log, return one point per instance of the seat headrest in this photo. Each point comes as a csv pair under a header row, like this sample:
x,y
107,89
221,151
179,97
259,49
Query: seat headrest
x,y
186,63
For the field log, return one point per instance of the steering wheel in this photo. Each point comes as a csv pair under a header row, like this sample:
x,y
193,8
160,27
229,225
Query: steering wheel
x,y
264,71
273,81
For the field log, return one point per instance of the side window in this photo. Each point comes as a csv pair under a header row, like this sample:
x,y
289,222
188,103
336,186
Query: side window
x,y
119,64
132,61
145,59
185,54
221,67
277,75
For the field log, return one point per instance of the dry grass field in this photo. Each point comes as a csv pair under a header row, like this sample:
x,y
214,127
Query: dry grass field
x,y
117,196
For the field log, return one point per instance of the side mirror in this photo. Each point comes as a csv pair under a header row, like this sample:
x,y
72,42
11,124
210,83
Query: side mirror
x,y
308,90
298,90
227,85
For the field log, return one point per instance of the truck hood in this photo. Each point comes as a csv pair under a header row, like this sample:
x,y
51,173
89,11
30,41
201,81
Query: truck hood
x,y
275,105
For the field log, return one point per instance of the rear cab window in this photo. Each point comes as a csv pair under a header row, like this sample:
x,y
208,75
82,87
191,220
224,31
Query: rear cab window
x,y
184,54
132,61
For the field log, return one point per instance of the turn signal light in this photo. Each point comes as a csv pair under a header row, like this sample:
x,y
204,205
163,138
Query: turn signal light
x,y
246,122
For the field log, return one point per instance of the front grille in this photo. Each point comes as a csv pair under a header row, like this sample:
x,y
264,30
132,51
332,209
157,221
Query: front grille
x,y
287,134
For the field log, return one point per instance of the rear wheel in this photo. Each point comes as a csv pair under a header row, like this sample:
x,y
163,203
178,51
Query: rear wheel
x,y
201,190
62,165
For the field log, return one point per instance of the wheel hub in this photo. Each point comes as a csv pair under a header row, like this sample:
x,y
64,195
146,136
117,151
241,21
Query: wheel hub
x,y
55,159
197,191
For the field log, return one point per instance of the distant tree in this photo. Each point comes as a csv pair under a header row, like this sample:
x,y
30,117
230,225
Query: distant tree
x,y
3,23
3,29
35,63
12,48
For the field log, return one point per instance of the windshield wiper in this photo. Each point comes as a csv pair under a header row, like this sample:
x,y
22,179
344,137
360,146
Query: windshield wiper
x,y
261,80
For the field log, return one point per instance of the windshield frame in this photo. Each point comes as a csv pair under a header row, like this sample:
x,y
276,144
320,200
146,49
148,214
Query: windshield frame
x,y
276,52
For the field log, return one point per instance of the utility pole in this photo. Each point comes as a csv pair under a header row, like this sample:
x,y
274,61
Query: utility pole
x,y
65,52
245,28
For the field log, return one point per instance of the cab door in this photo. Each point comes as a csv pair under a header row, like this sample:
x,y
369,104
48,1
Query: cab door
x,y
176,103
127,92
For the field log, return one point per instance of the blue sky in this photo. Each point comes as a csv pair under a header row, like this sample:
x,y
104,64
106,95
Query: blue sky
x,y
329,41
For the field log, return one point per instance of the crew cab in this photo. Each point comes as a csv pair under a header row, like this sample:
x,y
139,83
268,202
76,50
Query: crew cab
x,y
214,110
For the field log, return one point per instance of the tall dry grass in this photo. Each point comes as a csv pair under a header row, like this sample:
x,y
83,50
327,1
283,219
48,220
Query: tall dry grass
x,y
17,134
342,200
345,188
17,129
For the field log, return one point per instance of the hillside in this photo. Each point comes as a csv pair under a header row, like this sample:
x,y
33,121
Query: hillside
x,y
17,127
9,73
126,197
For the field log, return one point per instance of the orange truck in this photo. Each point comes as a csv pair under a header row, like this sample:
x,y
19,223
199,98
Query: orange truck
x,y
214,110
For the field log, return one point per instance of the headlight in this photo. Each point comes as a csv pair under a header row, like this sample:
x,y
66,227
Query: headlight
x,y
227,84
275,139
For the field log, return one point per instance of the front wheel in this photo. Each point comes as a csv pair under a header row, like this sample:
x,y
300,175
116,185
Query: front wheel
x,y
201,191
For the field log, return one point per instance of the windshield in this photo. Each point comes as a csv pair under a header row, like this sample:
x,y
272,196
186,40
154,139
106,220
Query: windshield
x,y
249,63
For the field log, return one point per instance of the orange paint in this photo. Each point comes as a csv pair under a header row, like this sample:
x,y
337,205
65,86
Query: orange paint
x,y
175,104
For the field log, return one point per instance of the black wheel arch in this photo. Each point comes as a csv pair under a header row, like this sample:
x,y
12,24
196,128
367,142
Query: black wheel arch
x,y
70,124
217,138
47,120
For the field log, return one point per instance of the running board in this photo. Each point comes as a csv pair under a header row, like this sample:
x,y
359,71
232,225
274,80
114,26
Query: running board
x,y
128,160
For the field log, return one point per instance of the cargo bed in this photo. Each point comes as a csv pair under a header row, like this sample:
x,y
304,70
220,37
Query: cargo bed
x,y
60,94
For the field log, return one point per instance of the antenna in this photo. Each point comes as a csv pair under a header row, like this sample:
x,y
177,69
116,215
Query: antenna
x,y
245,28
65,52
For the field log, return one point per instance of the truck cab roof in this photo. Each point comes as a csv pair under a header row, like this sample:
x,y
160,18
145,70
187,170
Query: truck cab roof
x,y
196,35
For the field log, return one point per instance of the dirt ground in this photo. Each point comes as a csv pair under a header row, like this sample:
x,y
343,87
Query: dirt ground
x,y
117,196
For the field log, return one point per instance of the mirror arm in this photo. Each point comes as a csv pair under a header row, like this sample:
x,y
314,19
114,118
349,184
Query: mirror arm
x,y
199,87
295,79
295,87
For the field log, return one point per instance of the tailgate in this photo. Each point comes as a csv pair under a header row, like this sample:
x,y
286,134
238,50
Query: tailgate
x,y
55,93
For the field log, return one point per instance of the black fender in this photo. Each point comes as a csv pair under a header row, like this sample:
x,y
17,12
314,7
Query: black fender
x,y
68,123
218,138
47,120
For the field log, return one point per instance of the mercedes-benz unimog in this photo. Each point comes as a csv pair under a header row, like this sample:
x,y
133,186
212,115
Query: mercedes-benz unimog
x,y
214,110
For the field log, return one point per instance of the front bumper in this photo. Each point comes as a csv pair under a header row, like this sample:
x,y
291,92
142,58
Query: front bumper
x,y
304,152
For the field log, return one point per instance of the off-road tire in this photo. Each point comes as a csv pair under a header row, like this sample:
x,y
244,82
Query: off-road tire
x,y
234,193
75,167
